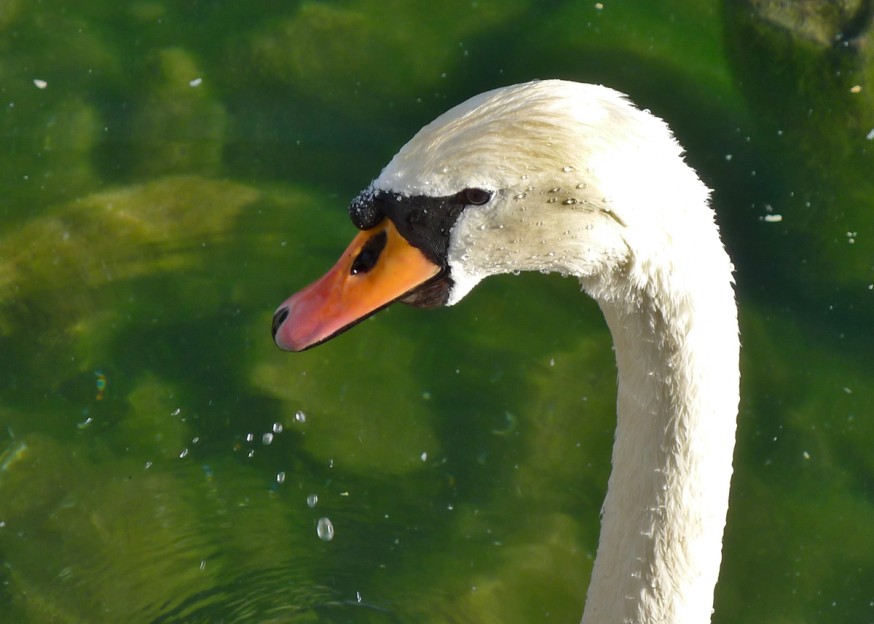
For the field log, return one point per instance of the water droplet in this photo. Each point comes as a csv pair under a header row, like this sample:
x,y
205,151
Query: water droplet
x,y
568,169
581,185
325,529
520,195
300,417
570,201
183,454
277,427
551,200
312,500
250,437
280,477
555,189
424,456
266,439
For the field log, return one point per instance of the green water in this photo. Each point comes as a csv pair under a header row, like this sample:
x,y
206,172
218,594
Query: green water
x,y
170,172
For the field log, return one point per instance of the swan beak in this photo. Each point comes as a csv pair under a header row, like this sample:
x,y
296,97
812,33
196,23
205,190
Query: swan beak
x,y
377,268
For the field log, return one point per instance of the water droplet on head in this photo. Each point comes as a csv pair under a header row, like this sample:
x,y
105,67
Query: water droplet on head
x,y
325,529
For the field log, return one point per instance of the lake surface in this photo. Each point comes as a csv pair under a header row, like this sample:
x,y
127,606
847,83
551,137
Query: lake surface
x,y
171,172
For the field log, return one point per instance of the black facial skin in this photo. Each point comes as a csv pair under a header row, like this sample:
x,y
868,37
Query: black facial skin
x,y
426,223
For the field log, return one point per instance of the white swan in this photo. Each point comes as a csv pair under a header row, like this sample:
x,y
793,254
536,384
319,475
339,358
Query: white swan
x,y
567,177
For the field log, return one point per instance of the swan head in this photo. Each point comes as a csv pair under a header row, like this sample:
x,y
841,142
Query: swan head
x,y
546,176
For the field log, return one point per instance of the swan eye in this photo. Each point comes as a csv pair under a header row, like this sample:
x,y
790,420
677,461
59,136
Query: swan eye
x,y
369,254
474,196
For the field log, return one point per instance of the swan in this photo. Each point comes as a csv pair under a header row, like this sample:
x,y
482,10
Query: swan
x,y
572,178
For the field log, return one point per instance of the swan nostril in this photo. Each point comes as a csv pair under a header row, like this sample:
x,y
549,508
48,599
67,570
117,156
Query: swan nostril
x,y
278,318
369,254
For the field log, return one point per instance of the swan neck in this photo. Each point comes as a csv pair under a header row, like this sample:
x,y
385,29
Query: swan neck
x,y
664,513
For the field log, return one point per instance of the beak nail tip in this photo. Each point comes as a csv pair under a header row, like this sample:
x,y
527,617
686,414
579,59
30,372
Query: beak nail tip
x,y
278,318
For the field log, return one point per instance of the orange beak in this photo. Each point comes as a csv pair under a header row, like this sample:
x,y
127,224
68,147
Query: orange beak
x,y
377,268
